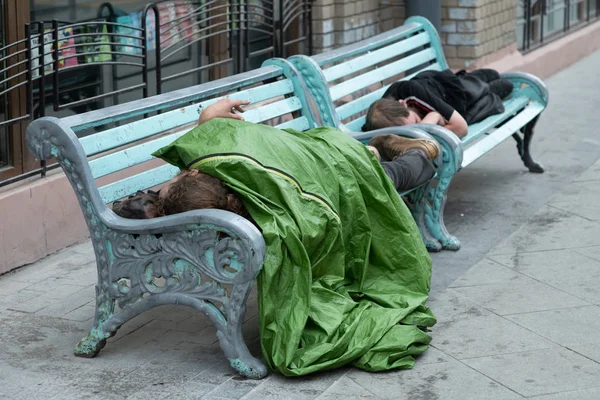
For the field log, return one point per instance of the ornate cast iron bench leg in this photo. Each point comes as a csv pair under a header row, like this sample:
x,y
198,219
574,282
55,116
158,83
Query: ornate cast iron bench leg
x,y
146,271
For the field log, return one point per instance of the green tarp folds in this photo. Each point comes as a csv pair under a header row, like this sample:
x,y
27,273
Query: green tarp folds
x,y
346,275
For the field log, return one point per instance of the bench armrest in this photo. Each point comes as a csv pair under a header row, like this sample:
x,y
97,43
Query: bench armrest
x,y
448,161
50,137
533,81
452,151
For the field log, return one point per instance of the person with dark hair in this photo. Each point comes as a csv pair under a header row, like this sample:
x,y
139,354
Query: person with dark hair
x,y
441,98
346,275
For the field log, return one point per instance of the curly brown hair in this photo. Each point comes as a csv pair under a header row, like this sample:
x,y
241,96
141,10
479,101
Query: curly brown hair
x,y
192,192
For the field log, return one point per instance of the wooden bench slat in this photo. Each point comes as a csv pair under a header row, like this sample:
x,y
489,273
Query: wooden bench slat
x,y
141,181
511,106
118,136
365,45
175,98
299,124
381,74
377,56
126,158
273,110
356,124
141,153
362,103
481,147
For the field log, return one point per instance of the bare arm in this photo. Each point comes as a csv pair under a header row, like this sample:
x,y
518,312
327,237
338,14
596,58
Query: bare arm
x,y
457,124
223,108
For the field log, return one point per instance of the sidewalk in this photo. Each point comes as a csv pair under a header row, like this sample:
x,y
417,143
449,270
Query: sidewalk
x,y
522,322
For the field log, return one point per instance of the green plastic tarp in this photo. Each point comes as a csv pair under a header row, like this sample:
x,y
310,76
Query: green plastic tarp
x,y
346,275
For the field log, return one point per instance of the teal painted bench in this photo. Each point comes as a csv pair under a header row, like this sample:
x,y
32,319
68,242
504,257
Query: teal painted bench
x,y
205,259
353,70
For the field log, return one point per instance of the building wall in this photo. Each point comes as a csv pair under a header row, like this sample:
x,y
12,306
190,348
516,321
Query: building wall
x,y
476,32
337,23
473,32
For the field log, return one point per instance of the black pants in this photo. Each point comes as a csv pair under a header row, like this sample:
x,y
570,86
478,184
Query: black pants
x,y
409,171
502,87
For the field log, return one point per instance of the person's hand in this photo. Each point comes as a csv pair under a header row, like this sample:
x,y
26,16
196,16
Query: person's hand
x,y
223,108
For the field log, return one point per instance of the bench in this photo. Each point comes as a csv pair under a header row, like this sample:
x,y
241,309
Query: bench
x,y
205,259
401,53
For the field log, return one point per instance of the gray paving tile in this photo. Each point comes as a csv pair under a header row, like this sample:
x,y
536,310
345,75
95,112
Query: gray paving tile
x,y
69,303
518,296
189,390
450,306
591,252
448,381
591,174
280,387
586,394
569,326
578,197
347,389
540,372
16,300
551,229
591,351
432,356
485,335
566,270
486,272
233,388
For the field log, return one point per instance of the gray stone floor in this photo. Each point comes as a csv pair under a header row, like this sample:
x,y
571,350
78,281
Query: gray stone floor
x,y
518,307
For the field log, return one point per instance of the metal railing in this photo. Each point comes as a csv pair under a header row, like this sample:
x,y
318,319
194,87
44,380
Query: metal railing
x,y
85,65
541,21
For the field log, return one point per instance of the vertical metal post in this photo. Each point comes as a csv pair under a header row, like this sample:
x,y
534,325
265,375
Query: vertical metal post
x,y
430,9
281,50
42,67
145,56
240,41
28,64
55,62
310,27
157,41
542,13
527,24
567,15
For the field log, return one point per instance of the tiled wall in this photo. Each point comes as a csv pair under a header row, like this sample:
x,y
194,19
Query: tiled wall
x,y
471,29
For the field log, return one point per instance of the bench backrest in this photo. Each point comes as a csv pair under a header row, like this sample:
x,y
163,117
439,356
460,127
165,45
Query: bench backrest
x,y
270,92
359,74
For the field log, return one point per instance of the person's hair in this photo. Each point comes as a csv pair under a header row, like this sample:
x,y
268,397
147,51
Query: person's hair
x,y
141,205
385,113
200,191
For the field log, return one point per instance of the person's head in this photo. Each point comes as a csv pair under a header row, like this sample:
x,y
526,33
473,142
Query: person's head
x,y
385,113
141,205
192,190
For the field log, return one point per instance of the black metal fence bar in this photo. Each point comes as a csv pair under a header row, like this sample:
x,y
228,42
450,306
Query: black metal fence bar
x,y
540,18
54,50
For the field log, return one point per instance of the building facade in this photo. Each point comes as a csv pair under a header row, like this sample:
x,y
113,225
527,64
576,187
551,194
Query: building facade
x,y
38,211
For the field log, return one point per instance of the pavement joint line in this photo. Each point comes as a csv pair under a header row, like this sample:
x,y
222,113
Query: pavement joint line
x,y
582,355
550,205
363,386
492,379
535,279
558,346
563,392
512,253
